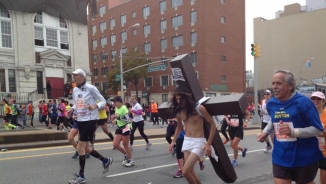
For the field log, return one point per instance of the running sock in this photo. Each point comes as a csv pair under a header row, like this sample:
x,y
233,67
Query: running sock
x,y
95,154
6,127
268,144
110,135
82,159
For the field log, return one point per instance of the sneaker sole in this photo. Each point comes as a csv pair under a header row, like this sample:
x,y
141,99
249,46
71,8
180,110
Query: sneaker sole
x,y
107,169
71,182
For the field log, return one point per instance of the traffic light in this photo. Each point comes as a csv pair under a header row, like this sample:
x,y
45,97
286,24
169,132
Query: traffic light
x,y
255,50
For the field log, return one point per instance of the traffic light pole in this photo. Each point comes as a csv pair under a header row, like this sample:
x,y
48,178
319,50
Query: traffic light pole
x,y
255,118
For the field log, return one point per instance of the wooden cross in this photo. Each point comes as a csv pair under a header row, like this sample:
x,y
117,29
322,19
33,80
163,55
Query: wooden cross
x,y
184,75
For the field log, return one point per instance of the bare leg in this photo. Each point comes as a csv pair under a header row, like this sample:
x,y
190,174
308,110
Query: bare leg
x,y
125,142
188,169
116,144
322,176
71,137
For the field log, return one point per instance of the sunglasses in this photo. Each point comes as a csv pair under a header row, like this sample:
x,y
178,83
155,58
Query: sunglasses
x,y
315,98
267,94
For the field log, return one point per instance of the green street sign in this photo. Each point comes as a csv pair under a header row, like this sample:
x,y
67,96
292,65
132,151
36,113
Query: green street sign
x,y
117,77
156,68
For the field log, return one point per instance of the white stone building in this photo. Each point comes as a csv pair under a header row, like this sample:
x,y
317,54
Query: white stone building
x,y
40,41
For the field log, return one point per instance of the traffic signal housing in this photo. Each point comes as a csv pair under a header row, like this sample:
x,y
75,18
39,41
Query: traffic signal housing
x,y
255,50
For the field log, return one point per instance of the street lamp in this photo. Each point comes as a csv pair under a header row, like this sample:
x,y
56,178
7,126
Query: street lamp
x,y
121,67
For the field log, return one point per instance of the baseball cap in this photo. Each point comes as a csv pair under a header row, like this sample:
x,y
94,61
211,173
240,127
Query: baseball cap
x,y
318,94
80,71
268,91
117,99
30,101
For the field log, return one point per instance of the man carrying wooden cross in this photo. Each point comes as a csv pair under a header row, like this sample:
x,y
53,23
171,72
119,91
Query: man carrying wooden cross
x,y
192,114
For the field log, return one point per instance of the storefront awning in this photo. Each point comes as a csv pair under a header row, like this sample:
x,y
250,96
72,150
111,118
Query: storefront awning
x,y
145,94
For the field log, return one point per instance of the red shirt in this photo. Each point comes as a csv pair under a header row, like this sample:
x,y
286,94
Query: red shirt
x,y
29,109
45,110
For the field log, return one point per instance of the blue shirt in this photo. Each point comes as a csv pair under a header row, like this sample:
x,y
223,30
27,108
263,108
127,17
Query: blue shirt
x,y
302,113
54,110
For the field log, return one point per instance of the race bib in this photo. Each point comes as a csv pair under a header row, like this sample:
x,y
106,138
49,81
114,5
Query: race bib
x,y
126,129
234,122
283,138
321,142
80,103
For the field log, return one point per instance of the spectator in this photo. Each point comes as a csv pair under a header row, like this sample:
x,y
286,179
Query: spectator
x,y
67,88
48,89
23,116
30,113
154,113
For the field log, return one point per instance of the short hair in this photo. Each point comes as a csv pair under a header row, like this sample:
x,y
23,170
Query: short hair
x,y
289,78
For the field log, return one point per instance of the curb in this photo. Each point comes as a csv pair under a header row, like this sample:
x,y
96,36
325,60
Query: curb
x,y
65,142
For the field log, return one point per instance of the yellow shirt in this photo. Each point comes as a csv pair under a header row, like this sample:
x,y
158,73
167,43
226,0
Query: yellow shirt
x,y
7,109
102,114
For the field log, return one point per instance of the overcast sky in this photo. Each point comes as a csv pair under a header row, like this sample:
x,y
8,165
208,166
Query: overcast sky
x,y
265,9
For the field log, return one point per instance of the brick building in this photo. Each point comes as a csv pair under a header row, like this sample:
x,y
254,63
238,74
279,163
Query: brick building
x,y
212,32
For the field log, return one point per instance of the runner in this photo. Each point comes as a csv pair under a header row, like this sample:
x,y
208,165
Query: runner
x,y
84,97
137,122
266,118
122,133
7,117
236,126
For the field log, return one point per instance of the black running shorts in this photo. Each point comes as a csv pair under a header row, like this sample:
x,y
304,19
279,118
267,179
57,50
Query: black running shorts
x,y
101,122
235,132
86,130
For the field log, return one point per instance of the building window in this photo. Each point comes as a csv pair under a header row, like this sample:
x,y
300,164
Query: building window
x,y
112,23
102,26
102,10
164,44
94,57
193,37
163,25
123,36
5,25
223,78
146,12
124,51
173,81
95,72
177,41
176,3
165,97
223,20
222,1
113,54
133,14
105,70
147,29
148,82
93,29
2,79
104,56
164,61
193,16
123,19
162,6
134,31
12,80
177,21
37,18
147,47
64,42
38,35
223,39
104,85
51,38
62,22
223,59
194,57
192,1
113,39
164,80
94,44
97,85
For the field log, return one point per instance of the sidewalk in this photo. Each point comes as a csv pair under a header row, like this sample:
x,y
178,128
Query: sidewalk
x,y
150,131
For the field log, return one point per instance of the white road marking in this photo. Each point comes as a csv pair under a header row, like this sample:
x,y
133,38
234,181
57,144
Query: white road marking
x,y
163,166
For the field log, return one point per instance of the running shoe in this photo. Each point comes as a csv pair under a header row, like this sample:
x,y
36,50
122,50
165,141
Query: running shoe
x,y
244,152
125,160
148,145
107,164
88,155
178,174
130,163
234,163
75,155
130,147
226,141
78,180
268,148
201,164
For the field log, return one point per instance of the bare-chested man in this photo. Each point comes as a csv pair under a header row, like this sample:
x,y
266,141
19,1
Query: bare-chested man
x,y
185,108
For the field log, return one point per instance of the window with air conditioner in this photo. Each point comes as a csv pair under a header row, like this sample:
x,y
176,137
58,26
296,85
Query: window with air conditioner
x,y
176,21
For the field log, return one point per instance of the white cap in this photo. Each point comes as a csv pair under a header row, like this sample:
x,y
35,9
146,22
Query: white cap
x,y
80,71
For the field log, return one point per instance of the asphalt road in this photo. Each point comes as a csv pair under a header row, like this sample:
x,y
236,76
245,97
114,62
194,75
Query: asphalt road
x,y
54,165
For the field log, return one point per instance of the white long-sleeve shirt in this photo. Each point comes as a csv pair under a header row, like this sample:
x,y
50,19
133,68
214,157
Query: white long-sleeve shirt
x,y
85,96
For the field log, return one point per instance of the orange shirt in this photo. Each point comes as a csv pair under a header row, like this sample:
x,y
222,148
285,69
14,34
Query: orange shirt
x,y
153,107
323,121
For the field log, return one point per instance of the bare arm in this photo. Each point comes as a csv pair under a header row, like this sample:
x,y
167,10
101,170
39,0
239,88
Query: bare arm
x,y
210,120
178,129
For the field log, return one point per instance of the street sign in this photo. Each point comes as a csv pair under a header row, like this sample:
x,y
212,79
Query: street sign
x,y
117,77
156,68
